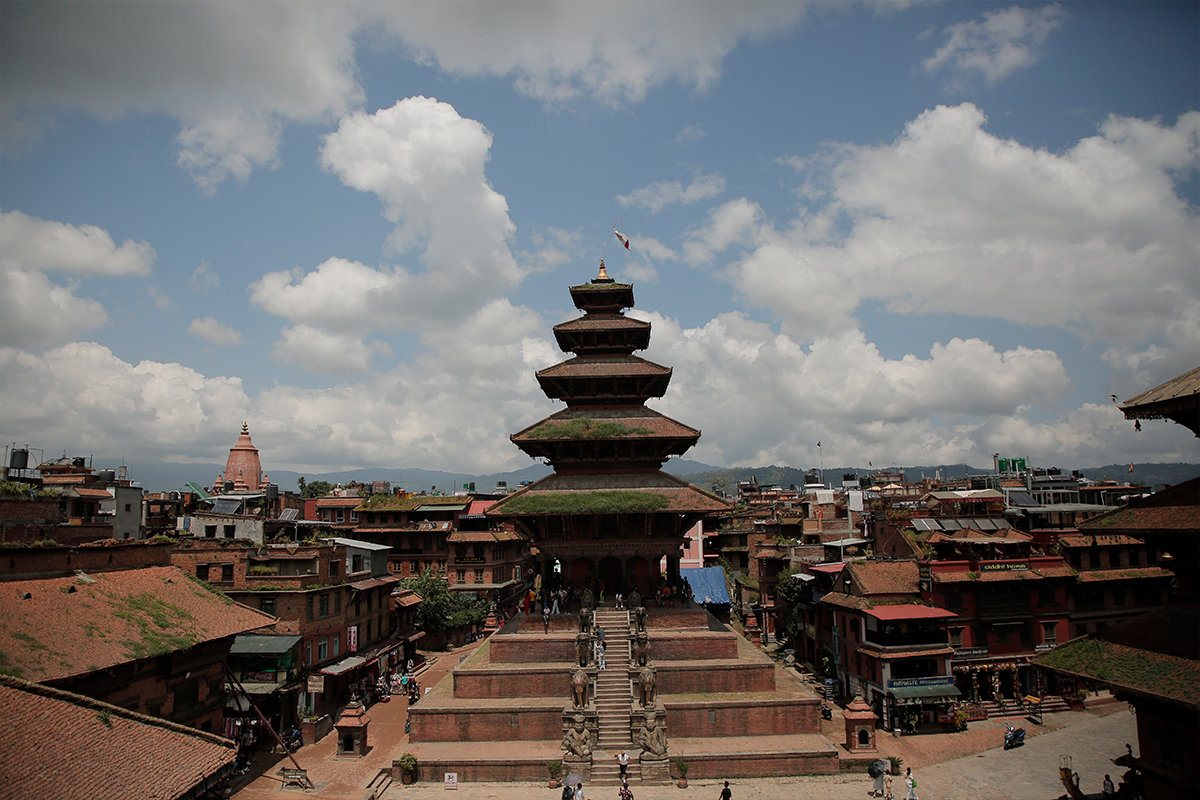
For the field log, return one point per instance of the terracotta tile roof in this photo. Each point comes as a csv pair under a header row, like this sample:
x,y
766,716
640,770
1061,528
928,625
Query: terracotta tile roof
x,y
484,536
1090,539
679,495
1092,576
909,611
338,502
413,501
843,600
53,628
1145,656
102,494
607,366
1174,510
62,745
632,418
884,577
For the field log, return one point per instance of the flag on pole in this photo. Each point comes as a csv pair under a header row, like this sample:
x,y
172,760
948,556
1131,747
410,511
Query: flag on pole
x,y
818,444
622,238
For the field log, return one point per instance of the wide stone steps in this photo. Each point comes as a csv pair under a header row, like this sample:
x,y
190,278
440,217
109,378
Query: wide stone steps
x,y
613,691
606,771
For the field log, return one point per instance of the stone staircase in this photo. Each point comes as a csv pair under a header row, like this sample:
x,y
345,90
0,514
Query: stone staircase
x,y
1013,709
614,696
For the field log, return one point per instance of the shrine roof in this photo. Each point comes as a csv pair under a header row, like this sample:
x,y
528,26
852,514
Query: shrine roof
x,y
637,492
607,423
592,322
603,366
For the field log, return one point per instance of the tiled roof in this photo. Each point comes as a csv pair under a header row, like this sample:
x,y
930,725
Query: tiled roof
x,y
338,502
1171,510
679,495
483,536
1145,656
884,577
605,322
909,611
843,600
62,745
1089,539
413,501
633,418
606,366
1092,576
53,628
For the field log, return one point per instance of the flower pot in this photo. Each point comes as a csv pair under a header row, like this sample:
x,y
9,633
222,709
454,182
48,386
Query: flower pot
x,y
408,778
682,783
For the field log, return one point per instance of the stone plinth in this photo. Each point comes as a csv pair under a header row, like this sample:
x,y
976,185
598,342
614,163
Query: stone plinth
x,y
715,678
530,648
518,721
733,717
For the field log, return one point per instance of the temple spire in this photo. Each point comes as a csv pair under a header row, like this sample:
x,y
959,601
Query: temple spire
x,y
603,276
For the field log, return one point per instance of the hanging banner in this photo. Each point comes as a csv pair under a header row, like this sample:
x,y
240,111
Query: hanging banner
x,y
352,639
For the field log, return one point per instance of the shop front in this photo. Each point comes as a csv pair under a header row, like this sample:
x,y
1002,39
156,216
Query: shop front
x,y
916,705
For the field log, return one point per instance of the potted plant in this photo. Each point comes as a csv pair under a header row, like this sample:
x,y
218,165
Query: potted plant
x,y
682,767
896,763
408,768
553,769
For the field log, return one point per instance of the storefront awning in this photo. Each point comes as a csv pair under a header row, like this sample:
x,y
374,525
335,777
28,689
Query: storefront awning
x,y
925,693
343,666
262,645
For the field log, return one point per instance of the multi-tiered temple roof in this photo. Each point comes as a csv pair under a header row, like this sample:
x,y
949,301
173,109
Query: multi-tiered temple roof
x,y
606,447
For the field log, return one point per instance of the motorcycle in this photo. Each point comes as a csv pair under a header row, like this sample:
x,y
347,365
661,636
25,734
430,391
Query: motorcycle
x,y
826,712
293,740
1013,737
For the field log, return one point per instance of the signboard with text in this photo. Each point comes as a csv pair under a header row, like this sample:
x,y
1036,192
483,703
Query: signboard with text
x,y
936,680
316,684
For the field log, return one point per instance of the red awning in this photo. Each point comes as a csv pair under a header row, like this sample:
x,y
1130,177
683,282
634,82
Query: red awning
x,y
908,611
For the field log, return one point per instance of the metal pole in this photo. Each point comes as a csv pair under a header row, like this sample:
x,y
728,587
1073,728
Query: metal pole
x,y
242,689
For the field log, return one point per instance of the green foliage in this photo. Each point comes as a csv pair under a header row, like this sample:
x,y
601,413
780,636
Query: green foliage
x,y
440,609
585,428
408,762
309,491
161,626
105,717
682,766
897,764
553,768
597,502
7,668
262,569
18,489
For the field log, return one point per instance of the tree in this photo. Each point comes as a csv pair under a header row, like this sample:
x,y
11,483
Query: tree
x,y
441,609
314,489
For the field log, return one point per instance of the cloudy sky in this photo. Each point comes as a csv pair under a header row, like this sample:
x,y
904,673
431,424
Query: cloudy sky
x,y
916,233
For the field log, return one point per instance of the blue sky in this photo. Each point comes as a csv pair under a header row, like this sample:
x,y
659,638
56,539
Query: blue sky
x,y
918,233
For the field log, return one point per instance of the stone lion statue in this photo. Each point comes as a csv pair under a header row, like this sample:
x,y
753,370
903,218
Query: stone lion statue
x,y
579,687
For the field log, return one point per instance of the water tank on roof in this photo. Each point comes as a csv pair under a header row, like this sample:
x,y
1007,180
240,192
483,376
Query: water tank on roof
x,y
19,459
172,495
228,486
79,462
106,475
272,491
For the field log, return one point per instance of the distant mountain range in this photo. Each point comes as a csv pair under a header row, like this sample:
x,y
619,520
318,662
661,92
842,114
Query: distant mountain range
x,y
160,477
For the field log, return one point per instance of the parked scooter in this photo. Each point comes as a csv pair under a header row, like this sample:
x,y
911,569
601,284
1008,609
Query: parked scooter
x,y
826,711
1013,737
293,740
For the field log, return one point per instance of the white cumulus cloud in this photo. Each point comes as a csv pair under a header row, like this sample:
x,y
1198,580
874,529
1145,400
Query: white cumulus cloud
x,y
657,196
998,45
214,332
49,246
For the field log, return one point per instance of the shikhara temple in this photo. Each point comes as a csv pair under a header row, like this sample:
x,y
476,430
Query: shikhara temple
x,y
608,513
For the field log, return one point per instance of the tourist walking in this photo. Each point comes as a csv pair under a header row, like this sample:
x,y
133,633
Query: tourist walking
x,y
623,763
725,793
624,793
910,783
554,602
887,785
600,655
546,618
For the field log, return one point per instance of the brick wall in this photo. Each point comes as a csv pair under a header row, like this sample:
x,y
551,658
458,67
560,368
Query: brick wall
x,y
61,560
468,724
520,682
532,648
746,717
692,646
692,679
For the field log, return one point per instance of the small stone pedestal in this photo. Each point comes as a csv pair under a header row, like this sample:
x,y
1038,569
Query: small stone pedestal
x,y
352,731
649,729
581,733
860,727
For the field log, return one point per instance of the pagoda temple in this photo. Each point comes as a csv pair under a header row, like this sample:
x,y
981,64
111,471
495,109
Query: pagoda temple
x,y
608,513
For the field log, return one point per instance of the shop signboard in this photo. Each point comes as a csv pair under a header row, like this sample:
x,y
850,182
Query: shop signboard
x,y
971,652
935,680
259,677
316,684
837,646
1004,566
923,574
352,639
470,560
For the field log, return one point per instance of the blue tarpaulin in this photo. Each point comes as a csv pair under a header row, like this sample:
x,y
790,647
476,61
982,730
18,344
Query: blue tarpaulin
x,y
708,584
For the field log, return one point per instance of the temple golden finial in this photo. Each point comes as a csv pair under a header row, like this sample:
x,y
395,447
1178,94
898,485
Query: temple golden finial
x,y
603,276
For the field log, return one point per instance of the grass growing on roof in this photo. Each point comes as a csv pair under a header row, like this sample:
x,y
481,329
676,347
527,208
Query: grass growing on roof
x,y
585,428
597,502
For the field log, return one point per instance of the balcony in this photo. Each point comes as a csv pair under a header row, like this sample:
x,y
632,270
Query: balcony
x,y
902,639
1005,610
